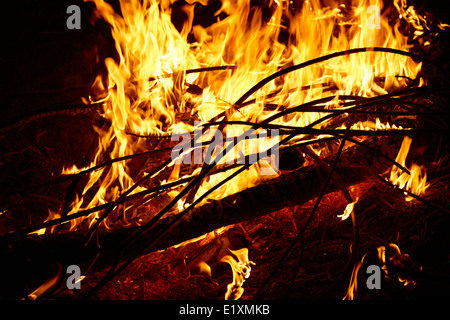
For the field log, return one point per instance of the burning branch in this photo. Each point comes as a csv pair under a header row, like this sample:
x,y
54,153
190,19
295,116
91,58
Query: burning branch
x,y
290,189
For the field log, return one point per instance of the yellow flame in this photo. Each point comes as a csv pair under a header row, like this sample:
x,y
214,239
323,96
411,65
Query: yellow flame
x,y
47,285
147,85
396,259
205,268
348,210
416,182
353,285
73,170
51,215
241,270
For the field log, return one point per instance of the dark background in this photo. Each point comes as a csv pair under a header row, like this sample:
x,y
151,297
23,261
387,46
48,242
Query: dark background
x,y
44,65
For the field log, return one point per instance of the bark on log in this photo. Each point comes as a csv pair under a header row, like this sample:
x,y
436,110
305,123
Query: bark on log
x,y
292,188
356,165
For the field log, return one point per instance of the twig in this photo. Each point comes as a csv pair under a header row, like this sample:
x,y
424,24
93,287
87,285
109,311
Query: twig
x,y
122,198
335,133
326,168
197,70
66,177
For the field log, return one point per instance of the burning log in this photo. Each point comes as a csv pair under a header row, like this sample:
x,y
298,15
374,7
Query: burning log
x,y
289,189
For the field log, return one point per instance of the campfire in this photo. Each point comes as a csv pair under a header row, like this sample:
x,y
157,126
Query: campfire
x,y
237,149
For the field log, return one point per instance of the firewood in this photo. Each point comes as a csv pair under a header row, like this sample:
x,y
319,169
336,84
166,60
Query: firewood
x,y
289,189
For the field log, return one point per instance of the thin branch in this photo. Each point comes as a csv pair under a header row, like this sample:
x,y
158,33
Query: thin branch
x,y
66,177
122,198
197,70
298,130
352,107
280,73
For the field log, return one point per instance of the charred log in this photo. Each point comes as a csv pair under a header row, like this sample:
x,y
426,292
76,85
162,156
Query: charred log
x,y
289,189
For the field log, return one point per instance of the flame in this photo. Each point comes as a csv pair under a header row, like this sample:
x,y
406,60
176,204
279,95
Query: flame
x,y
51,215
147,85
348,210
47,285
373,125
396,260
204,269
241,270
416,182
353,285
73,170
